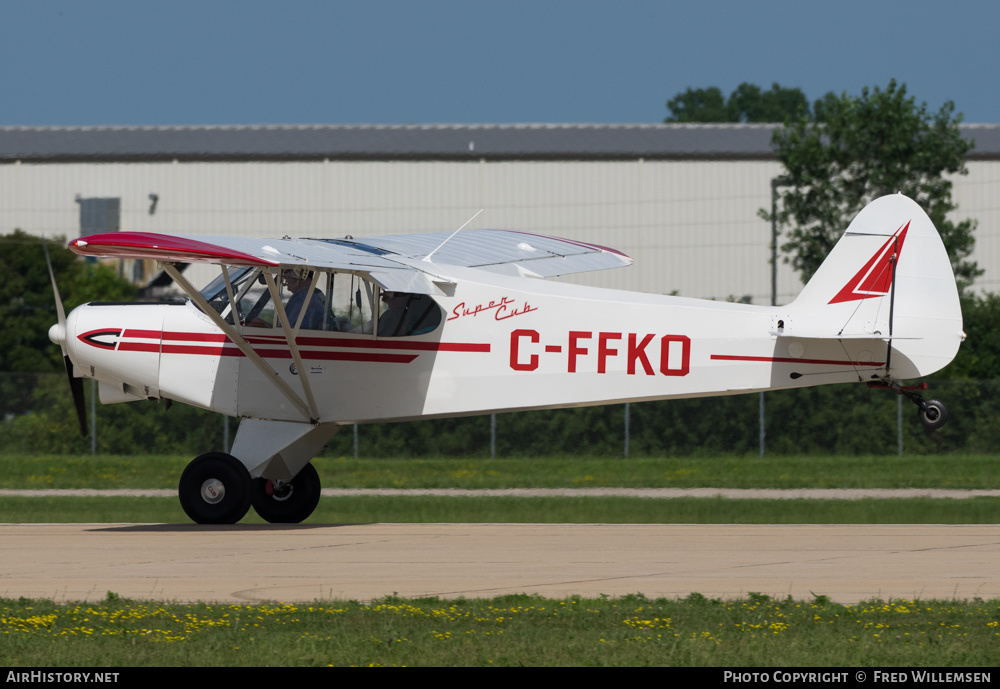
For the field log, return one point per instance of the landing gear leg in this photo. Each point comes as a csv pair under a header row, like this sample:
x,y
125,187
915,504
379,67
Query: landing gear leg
x,y
287,502
215,489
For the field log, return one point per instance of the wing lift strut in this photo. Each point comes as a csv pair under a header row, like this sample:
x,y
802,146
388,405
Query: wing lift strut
x,y
307,407
932,413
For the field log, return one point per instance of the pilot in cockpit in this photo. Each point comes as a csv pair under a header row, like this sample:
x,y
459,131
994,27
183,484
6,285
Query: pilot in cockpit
x,y
407,314
297,280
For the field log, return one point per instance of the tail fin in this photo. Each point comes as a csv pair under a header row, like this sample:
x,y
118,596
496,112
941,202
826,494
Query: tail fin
x,y
888,278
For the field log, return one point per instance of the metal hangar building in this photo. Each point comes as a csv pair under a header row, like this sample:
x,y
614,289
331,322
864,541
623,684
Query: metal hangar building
x,y
682,199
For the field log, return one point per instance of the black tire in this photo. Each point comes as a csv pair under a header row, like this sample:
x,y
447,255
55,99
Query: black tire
x,y
292,502
935,416
215,489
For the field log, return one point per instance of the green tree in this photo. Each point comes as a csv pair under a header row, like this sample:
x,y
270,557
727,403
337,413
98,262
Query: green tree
x,y
698,105
748,103
858,148
979,355
28,310
27,304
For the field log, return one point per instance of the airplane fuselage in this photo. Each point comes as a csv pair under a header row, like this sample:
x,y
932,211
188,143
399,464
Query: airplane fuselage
x,y
500,347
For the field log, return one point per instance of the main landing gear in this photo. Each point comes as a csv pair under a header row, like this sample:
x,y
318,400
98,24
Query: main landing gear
x,y
216,488
286,502
932,413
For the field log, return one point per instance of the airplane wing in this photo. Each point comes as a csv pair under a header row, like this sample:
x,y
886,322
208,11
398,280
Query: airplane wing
x,y
410,263
504,251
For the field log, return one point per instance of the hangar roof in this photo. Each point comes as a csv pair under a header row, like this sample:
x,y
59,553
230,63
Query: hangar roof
x,y
412,142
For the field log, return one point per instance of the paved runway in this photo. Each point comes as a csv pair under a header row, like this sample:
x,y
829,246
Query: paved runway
x,y
252,563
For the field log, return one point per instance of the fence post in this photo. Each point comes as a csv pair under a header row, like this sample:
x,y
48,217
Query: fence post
x,y
93,416
899,423
761,424
626,428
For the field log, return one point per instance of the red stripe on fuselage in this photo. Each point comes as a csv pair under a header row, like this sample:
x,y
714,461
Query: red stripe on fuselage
x,y
790,360
194,337
270,346
307,355
143,334
139,347
362,343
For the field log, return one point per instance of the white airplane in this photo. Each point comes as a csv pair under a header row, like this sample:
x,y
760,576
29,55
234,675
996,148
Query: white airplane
x,y
298,337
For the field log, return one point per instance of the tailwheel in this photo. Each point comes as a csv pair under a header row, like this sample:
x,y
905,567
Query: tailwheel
x,y
287,502
215,489
932,414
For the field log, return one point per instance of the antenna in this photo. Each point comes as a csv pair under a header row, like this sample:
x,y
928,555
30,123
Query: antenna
x,y
428,256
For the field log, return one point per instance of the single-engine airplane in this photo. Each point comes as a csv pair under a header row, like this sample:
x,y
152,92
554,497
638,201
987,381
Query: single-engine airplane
x,y
298,337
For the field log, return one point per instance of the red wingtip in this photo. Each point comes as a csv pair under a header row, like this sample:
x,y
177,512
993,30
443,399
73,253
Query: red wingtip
x,y
162,247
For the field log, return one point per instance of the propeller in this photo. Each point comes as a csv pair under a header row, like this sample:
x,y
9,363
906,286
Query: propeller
x,y
57,333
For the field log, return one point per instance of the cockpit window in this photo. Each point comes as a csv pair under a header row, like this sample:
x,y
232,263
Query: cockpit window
x,y
338,302
402,314
352,302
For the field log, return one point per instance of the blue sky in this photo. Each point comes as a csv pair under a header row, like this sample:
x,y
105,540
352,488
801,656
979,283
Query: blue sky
x,y
116,62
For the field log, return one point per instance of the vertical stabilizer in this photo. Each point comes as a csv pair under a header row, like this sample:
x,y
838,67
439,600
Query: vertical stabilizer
x,y
889,277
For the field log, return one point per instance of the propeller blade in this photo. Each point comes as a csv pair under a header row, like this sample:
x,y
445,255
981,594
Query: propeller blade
x,y
75,384
60,312
76,387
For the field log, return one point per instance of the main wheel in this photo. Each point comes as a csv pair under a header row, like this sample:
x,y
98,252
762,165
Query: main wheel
x,y
215,489
935,416
287,502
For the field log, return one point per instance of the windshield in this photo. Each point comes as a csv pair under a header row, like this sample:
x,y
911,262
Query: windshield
x,y
215,292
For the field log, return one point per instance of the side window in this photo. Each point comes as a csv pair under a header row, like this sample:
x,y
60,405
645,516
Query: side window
x,y
402,314
352,303
340,302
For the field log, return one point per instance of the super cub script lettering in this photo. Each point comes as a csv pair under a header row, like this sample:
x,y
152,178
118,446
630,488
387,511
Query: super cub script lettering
x,y
502,310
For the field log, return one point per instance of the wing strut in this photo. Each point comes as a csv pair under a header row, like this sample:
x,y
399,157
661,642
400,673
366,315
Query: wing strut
x,y
237,339
290,333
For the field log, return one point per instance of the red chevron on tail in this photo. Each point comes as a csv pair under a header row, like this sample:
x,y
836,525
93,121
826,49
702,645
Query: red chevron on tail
x,y
875,277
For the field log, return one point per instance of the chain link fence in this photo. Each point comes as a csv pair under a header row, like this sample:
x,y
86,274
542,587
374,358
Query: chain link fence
x,y
38,417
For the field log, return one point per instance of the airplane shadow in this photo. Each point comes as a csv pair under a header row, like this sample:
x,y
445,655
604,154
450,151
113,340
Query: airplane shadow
x,y
226,528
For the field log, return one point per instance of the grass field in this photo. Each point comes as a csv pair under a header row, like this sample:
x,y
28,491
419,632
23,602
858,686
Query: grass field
x,y
162,472
509,630
407,509
806,471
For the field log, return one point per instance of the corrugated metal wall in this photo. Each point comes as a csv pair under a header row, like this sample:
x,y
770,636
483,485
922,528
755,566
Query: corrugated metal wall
x,y
977,196
691,226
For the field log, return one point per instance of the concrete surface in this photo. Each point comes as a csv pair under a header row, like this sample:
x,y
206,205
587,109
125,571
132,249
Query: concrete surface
x,y
251,563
